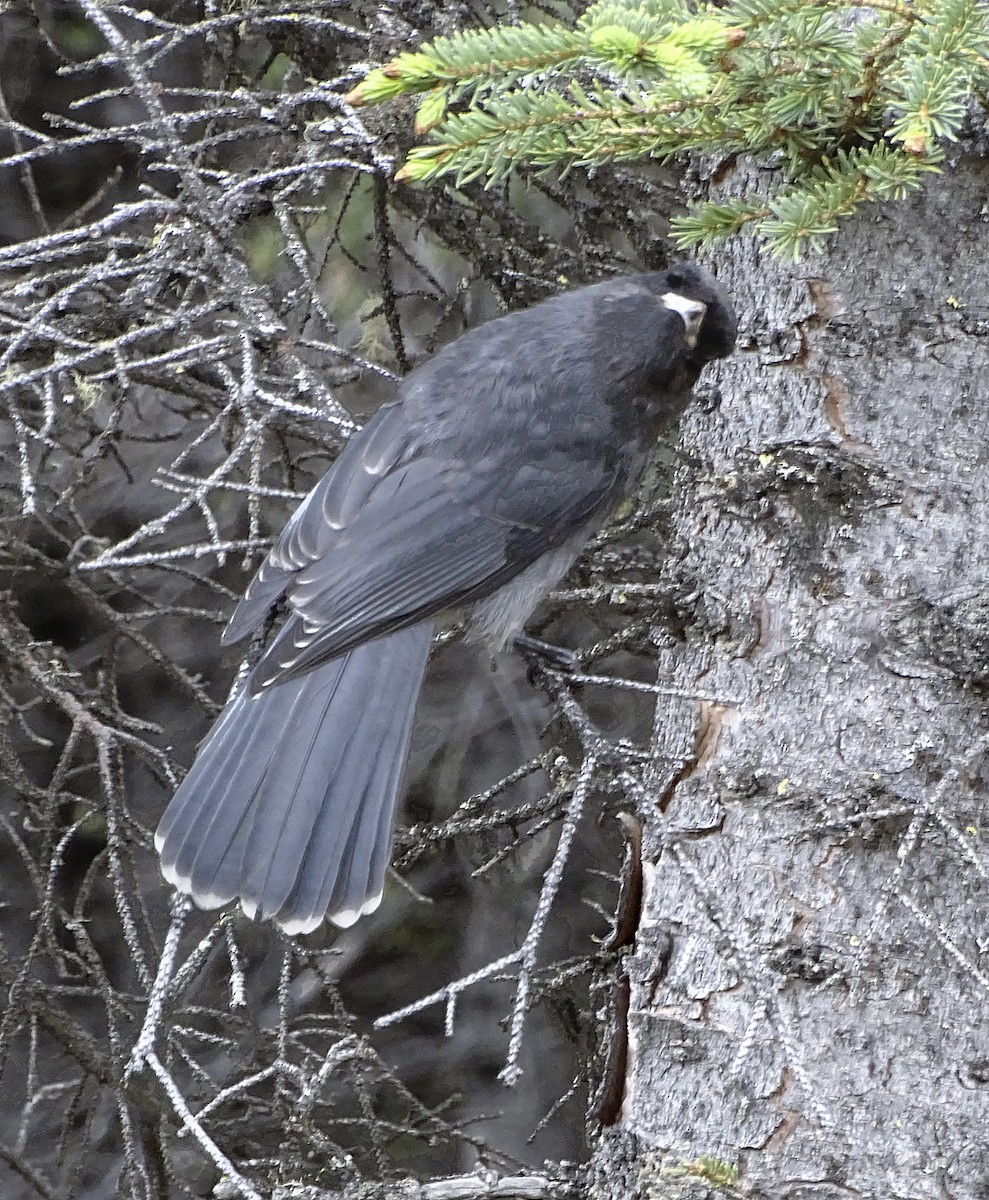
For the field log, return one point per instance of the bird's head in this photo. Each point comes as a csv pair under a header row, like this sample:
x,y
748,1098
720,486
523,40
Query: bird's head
x,y
704,307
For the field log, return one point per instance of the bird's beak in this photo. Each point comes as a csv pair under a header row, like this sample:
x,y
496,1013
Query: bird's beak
x,y
691,312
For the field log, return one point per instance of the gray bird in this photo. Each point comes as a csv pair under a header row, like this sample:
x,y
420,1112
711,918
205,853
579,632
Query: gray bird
x,y
475,489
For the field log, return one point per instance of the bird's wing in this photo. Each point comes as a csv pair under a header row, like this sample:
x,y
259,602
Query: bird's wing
x,y
432,534
329,508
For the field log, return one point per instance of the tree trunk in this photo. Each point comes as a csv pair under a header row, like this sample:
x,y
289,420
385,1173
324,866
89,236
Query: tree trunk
x,y
808,986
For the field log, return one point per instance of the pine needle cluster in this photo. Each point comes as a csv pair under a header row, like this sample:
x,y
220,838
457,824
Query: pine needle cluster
x,y
853,102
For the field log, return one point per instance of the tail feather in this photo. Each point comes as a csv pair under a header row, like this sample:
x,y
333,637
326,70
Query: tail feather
x,y
289,805
371,765
352,887
203,813
271,785
308,762
381,837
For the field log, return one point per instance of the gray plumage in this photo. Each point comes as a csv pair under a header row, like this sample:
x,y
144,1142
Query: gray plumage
x,y
478,486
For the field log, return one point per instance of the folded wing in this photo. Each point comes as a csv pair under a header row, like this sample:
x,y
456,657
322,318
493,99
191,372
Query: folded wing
x,y
394,534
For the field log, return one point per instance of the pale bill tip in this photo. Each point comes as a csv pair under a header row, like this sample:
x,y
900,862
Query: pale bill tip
x,y
691,313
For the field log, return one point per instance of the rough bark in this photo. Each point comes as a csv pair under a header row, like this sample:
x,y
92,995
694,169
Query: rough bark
x,y
816,850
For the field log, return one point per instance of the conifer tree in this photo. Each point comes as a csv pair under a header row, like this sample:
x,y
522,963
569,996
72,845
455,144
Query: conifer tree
x,y
850,110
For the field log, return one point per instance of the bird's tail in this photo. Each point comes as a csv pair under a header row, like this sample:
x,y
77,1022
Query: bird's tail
x,y
288,807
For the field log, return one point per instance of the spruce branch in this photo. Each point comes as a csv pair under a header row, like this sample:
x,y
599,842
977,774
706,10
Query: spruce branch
x,y
800,217
546,129
464,59
850,110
